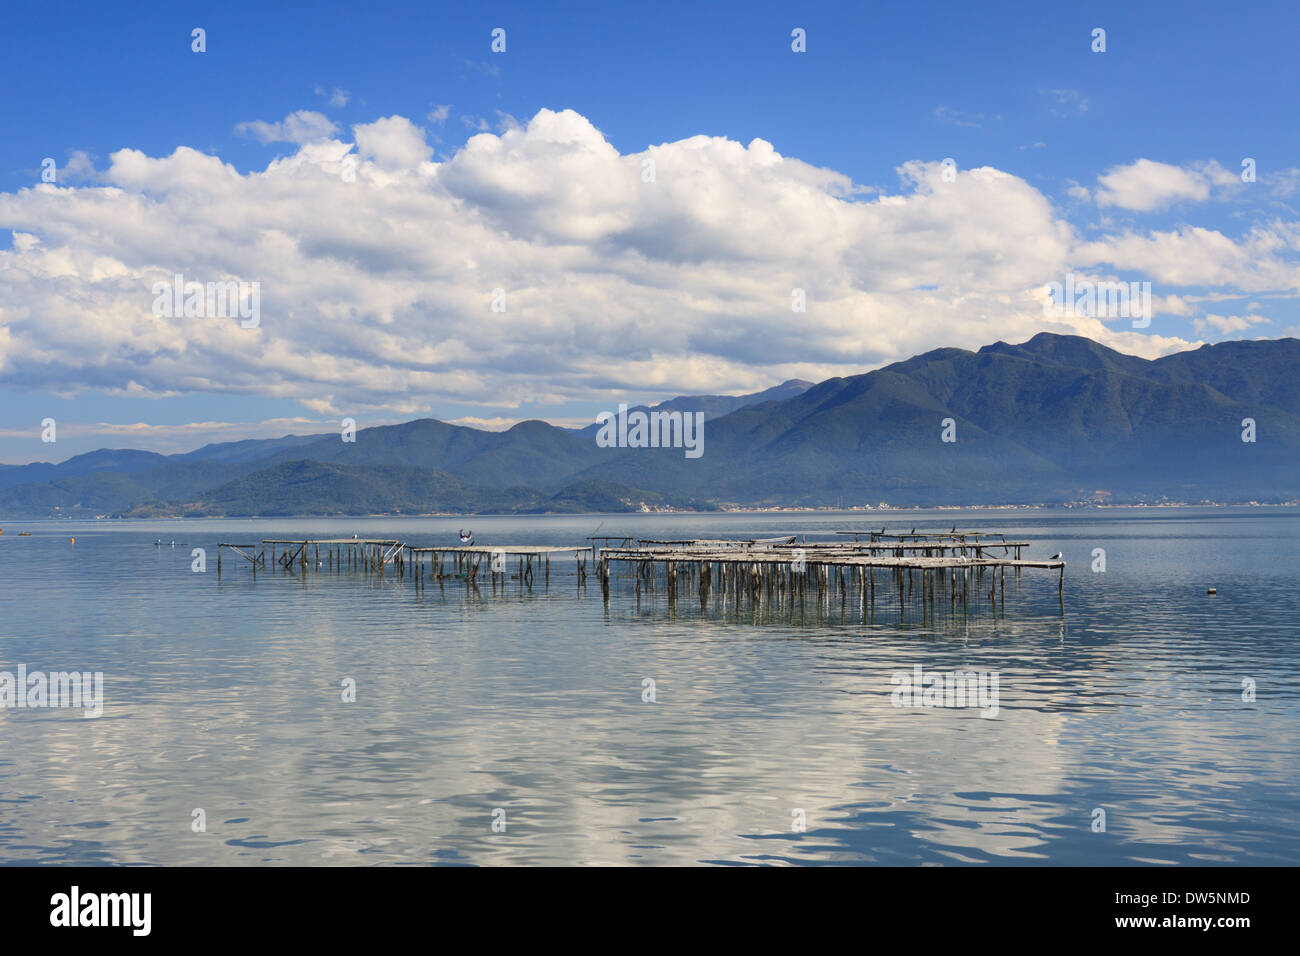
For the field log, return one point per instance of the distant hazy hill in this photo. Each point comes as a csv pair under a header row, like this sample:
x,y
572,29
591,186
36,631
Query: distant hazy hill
x,y
121,461
1052,419
713,406
251,449
532,452
320,488
128,462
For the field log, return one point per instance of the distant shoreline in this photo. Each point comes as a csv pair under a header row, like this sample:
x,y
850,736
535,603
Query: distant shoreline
x,y
776,510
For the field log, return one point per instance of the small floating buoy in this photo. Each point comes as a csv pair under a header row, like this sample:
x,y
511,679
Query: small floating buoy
x,y
74,540
1211,590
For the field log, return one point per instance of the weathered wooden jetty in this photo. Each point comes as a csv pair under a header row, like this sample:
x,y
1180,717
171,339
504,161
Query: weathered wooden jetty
x,y
465,561
969,543
925,569
381,555
340,553
953,565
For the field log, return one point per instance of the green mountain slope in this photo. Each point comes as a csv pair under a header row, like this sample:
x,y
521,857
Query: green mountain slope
x,y
1051,419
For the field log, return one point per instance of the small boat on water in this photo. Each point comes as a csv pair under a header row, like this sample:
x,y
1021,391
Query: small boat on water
x,y
24,534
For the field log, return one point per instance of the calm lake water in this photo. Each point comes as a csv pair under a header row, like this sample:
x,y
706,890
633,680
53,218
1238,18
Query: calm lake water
x,y
226,695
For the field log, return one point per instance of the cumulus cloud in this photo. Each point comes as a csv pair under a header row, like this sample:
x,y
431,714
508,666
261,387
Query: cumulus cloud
x,y
667,271
1227,324
79,168
1147,185
301,126
393,142
1261,261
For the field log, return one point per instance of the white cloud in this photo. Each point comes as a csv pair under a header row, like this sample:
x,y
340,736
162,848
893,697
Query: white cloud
x,y
376,289
1261,261
337,97
1216,174
1227,324
438,115
393,142
300,126
79,168
173,439
1172,305
499,423
1283,183
1147,185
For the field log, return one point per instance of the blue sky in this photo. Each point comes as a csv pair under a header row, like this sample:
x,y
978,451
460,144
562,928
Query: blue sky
x,y
633,299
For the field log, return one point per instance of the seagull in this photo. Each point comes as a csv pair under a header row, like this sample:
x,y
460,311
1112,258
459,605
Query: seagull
x,y
466,537
354,537
1057,557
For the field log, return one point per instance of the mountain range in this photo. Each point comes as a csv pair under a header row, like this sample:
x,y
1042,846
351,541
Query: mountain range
x,y
1055,419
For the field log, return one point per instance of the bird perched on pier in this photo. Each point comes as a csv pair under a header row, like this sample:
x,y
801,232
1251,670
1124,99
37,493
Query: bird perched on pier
x,y
354,537
1057,557
466,537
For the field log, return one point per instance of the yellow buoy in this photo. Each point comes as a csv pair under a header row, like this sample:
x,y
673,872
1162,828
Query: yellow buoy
x,y
74,540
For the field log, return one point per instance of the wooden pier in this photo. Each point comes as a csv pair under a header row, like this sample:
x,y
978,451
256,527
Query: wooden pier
x,y
360,553
970,543
465,561
956,566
